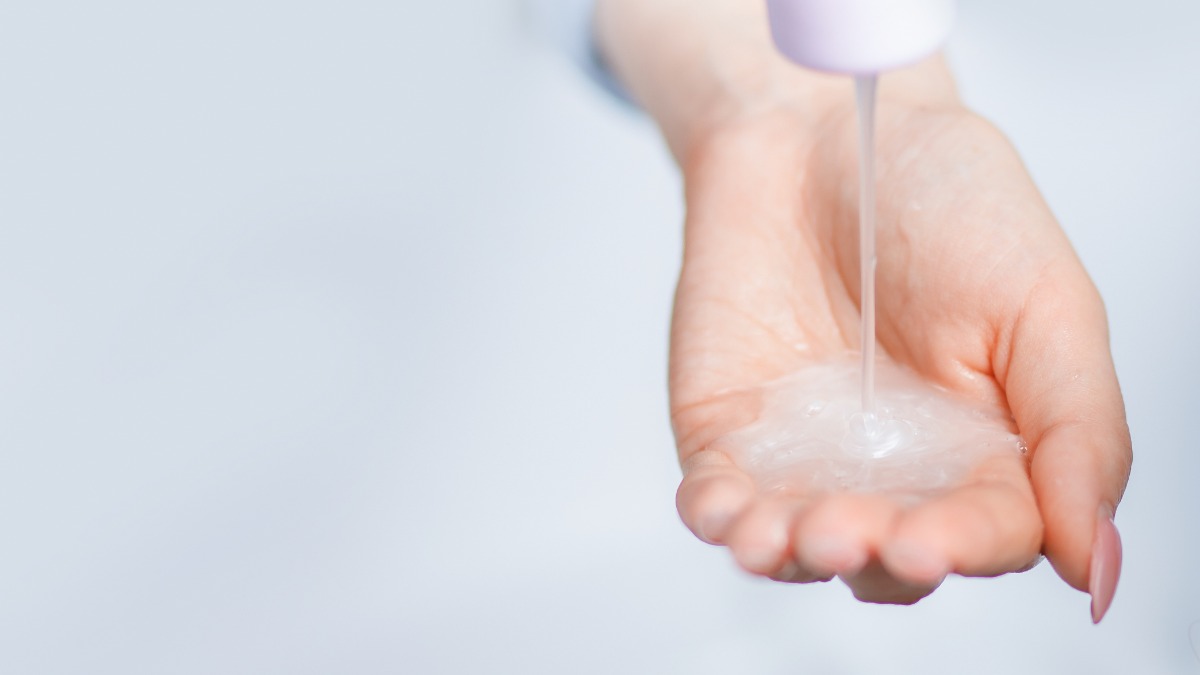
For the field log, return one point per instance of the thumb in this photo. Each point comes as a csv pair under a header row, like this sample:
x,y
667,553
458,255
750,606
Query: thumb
x,y
1063,391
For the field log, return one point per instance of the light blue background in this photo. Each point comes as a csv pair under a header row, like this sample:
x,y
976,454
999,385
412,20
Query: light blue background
x,y
333,340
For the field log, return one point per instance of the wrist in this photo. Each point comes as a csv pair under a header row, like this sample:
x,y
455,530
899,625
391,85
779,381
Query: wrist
x,y
767,97
699,67
793,109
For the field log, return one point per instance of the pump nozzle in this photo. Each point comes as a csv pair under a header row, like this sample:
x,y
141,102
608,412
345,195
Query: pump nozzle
x,y
859,37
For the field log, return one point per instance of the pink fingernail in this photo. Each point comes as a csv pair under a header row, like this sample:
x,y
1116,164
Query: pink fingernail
x,y
835,554
909,559
1106,565
714,526
758,560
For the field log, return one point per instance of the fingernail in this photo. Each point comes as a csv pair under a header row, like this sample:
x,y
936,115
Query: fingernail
x,y
1106,565
834,554
757,560
713,526
1033,563
914,561
788,572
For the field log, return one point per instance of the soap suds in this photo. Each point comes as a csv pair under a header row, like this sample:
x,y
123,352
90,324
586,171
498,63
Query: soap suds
x,y
811,435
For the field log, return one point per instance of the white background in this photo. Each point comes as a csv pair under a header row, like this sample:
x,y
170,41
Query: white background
x,y
333,340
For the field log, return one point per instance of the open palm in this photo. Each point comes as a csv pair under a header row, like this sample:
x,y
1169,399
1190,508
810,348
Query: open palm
x,y
979,291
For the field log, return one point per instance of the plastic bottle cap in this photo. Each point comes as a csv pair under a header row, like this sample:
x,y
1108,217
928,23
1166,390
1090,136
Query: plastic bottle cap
x,y
859,36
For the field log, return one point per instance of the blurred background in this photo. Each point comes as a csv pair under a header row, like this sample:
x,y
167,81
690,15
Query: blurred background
x,y
333,340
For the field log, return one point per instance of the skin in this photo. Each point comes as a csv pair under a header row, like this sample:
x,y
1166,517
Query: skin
x,y
978,290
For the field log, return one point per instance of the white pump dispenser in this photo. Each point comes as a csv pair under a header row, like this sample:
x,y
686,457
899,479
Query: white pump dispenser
x,y
859,37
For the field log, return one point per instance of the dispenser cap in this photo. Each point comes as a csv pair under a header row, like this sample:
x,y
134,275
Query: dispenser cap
x,y
859,37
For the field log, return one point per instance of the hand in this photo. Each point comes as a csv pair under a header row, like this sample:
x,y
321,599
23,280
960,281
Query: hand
x,y
978,291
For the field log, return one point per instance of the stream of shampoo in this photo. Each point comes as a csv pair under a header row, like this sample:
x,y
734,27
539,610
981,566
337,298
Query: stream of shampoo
x,y
867,424
864,86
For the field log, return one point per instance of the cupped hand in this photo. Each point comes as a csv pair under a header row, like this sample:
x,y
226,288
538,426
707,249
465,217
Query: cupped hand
x,y
979,291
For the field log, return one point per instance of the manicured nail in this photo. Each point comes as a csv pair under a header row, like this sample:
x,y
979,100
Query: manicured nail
x,y
834,554
757,560
911,560
1106,565
714,526
1033,563
787,573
